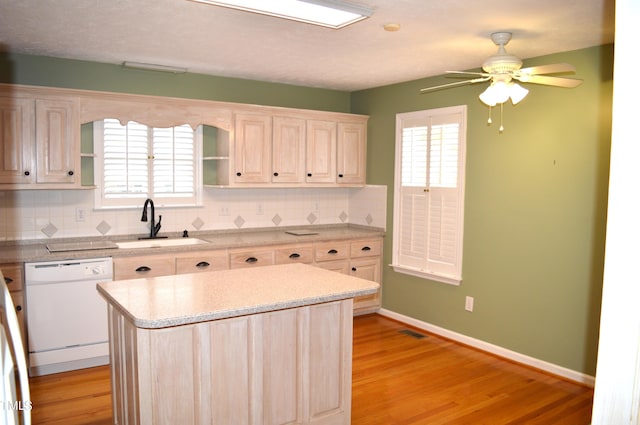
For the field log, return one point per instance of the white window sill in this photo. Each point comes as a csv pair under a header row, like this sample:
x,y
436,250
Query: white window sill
x,y
450,280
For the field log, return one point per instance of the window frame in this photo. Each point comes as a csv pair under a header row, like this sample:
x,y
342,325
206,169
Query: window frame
x,y
452,272
132,201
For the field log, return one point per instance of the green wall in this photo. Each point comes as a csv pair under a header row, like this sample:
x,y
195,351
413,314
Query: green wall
x,y
55,72
535,212
535,205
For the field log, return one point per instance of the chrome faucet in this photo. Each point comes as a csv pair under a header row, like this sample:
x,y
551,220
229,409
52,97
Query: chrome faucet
x,y
154,227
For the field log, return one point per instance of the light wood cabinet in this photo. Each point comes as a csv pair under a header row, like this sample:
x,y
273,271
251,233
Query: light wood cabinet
x,y
360,258
298,253
13,277
288,150
57,141
252,257
143,266
351,153
201,261
40,142
281,367
17,140
252,148
321,151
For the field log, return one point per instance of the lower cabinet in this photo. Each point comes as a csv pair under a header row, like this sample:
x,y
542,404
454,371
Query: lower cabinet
x,y
13,278
290,366
358,257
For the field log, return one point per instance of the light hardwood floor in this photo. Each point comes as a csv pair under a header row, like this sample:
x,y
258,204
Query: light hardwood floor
x,y
398,379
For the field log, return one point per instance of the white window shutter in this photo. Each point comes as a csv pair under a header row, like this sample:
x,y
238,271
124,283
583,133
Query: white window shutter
x,y
429,194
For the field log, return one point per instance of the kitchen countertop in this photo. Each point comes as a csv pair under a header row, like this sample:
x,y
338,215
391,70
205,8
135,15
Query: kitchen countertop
x,y
26,251
175,300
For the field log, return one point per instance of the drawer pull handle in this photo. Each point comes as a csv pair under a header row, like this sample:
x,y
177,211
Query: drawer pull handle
x,y
18,308
366,248
294,255
238,174
275,174
341,175
309,174
8,280
202,264
332,251
143,269
353,269
251,260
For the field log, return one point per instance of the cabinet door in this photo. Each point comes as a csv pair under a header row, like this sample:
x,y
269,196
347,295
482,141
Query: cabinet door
x,y
288,150
57,141
321,151
351,153
252,149
369,269
16,140
205,261
143,266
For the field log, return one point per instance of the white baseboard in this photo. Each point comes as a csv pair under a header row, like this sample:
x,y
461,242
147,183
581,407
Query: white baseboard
x,y
569,374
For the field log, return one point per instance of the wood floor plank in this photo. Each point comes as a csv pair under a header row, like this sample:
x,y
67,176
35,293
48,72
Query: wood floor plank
x,y
397,380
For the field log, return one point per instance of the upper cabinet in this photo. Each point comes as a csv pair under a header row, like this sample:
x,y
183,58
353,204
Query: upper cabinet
x,y
252,149
352,153
40,141
242,145
287,151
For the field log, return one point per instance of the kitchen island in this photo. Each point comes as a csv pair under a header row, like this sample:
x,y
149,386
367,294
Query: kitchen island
x,y
269,345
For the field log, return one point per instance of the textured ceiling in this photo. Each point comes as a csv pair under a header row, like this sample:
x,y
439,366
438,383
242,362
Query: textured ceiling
x,y
435,36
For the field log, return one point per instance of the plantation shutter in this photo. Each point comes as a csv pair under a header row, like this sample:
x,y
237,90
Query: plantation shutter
x,y
141,162
429,203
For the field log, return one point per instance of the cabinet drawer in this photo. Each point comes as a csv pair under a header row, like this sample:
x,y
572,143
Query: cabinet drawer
x,y
12,276
294,254
206,261
144,266
250,258
339,266
366,248
327,251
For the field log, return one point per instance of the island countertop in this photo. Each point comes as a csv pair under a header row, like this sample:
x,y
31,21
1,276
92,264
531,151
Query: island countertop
x,y
176,300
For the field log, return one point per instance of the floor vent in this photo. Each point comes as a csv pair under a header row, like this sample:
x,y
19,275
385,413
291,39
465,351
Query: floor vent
x,y
413,334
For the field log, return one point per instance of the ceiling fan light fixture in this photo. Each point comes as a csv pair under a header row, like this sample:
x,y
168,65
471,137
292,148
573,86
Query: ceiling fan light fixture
x,y
334,14
517,93
500,92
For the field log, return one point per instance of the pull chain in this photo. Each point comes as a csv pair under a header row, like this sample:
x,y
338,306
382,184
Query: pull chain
x,y
501,126
489,120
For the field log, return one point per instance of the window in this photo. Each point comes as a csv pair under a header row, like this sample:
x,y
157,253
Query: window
x,y
429,193
136,162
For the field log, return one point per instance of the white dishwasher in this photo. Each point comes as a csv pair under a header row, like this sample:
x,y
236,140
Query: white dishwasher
x,y
66,317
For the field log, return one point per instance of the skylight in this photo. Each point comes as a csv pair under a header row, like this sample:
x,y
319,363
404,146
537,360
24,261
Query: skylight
x,y
327,13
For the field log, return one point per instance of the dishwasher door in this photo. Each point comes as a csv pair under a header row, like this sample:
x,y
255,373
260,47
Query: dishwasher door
x,y
66,317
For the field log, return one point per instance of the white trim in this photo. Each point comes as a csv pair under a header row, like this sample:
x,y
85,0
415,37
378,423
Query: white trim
x,y
554,369
451,280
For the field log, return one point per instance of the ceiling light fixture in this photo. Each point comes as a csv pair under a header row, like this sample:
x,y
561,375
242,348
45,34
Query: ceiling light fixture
x,y
154,67
499,92
327,13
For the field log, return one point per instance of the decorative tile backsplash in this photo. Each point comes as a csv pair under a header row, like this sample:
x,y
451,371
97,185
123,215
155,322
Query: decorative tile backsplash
x,y
44,214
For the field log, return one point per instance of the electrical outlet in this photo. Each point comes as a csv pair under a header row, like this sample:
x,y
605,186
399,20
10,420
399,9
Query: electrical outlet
x,y
259,209
468,304
81,214
223,211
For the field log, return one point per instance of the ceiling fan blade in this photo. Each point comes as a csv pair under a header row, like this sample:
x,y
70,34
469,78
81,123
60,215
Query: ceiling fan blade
x,y
457,83
484,74
550,81
554,68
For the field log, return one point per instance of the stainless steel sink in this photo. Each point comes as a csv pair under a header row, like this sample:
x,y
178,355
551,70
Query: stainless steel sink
x,y
160,243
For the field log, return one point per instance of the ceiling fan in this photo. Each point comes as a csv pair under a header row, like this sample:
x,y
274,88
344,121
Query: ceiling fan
x,y
502,69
